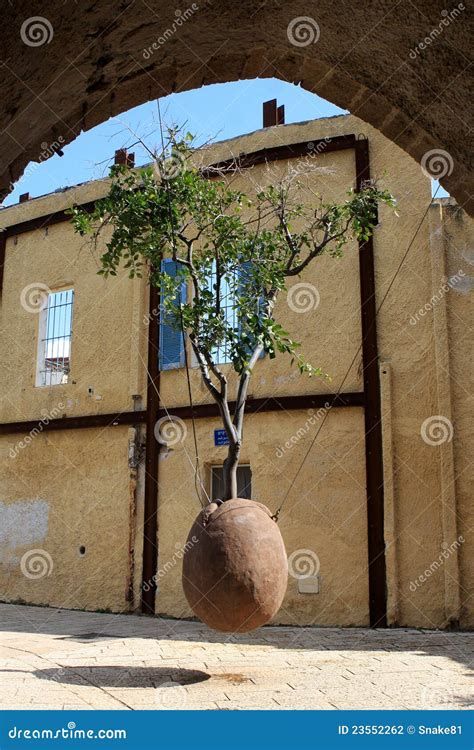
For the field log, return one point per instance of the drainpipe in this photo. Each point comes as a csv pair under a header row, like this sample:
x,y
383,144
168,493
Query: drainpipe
x,y
152,448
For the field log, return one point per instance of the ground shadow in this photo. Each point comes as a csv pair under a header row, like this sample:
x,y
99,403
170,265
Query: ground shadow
x,y
75,626
123,677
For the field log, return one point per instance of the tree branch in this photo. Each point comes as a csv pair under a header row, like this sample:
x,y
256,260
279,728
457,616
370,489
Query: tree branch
x,y
242,391
220,397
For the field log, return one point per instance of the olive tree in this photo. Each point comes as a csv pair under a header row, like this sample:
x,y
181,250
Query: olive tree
x,y
235,252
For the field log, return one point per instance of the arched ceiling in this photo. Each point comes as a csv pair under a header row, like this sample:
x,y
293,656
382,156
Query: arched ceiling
x,y
403,67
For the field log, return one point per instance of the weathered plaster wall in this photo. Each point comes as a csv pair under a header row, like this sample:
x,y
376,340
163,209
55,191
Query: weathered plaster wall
x,y
108,325
327,316
64,491
324,522
23,522
325,511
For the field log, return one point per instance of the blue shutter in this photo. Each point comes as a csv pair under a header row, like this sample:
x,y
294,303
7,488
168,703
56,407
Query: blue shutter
x,y
243,273
171,354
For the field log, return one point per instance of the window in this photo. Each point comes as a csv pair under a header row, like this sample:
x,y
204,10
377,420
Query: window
x,y
171,355
238,280
54,346
171,337
221,354
244,482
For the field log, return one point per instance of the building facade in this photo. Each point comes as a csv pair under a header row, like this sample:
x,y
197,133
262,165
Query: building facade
x,y
377,508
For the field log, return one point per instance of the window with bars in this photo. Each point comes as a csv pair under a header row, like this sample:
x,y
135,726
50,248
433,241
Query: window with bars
x,y
237,281
171,337
221,354
55,332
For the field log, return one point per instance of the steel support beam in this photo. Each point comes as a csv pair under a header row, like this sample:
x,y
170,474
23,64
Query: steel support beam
x,y
152,451
372,414
200,411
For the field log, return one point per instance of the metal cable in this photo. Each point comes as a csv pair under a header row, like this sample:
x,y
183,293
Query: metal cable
x,y
170,417
338,393
197,471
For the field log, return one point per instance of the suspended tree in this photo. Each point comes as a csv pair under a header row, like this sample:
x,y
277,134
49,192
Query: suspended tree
x,y
235,254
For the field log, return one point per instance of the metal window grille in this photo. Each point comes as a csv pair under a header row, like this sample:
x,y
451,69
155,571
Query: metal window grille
x,y
55,339
221,353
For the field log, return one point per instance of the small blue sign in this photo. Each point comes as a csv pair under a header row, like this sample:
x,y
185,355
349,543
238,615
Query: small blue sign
x,y
220,437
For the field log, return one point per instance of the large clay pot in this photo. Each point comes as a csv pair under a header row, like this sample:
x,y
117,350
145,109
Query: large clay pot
x,y
235,569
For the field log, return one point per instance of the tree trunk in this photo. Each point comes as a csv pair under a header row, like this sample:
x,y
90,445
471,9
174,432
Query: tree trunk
x,y
230,471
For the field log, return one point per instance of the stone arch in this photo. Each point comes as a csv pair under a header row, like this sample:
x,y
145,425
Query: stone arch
x,y
86,62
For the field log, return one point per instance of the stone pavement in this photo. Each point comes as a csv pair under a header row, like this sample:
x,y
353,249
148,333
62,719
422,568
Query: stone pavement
x,y
79,660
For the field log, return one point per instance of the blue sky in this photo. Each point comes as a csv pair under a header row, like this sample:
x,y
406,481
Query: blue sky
x,y
211,113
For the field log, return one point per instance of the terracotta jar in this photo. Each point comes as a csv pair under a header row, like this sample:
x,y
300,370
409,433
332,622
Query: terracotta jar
x,y
235,569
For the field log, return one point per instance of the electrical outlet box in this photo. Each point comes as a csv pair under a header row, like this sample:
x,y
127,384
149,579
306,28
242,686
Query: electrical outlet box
x,y
308,585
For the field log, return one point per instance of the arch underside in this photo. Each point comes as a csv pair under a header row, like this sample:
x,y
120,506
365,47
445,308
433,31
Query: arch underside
x,y
103,58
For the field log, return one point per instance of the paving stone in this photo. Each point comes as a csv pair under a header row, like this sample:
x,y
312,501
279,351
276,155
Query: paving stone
x,y
50,661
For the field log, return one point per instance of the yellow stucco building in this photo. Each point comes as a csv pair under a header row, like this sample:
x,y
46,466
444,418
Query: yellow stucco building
x,y
387,479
